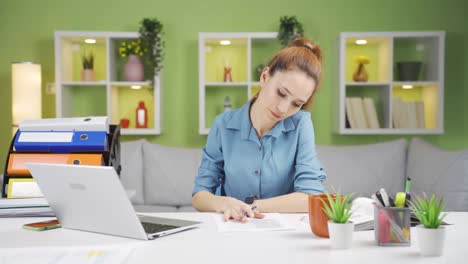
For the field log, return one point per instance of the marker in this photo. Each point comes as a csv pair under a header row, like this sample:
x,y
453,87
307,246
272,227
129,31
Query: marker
x,y
408,185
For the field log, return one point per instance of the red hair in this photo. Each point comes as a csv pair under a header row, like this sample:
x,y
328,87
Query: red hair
x,y
302,54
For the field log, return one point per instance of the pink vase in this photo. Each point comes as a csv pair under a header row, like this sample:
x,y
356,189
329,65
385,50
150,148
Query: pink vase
x,y
133,70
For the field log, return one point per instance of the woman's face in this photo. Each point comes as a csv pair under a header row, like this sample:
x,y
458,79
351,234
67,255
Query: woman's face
x,y
283,94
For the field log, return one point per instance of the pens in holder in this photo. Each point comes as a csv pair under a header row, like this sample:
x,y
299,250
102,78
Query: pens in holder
x,y
408,190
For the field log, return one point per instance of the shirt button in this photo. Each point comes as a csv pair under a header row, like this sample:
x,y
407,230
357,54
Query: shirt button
x,y
256,172
259,148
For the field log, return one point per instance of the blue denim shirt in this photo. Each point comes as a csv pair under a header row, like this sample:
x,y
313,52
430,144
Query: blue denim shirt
x,y
283,161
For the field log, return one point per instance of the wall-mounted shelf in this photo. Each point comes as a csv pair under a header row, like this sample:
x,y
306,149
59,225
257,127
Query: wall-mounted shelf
x,y
109,95
404,103
244,54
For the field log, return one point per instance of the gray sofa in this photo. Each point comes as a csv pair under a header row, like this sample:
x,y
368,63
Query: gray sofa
x,y
161,177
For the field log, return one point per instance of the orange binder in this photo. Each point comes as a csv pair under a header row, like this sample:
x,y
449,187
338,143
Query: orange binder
x,y
17,162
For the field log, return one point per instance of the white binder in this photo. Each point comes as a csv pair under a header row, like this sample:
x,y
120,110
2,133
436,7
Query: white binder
x,y
93,123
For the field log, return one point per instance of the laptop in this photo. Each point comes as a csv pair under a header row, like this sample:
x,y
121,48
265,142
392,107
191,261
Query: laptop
x,y
92,198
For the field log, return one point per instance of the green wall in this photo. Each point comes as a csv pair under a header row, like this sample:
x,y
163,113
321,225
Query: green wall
x,y
27,29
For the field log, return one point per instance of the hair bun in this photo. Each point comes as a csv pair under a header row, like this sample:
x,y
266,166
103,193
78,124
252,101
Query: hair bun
x,y
308,44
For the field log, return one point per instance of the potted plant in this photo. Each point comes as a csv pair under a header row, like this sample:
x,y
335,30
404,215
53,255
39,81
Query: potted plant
x,y
152,43
290,29
431,235
338,209
133,69
87,73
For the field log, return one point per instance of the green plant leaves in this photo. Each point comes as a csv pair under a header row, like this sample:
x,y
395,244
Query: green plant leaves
x,y
151,31
290,29
428,210
337,209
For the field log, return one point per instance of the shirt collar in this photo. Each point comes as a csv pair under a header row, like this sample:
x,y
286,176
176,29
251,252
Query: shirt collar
x,y
241,121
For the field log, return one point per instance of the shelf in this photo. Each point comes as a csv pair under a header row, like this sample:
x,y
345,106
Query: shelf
x,y
130,83
367,84
226,84
139,131
243,54
80,83
110,95
413,105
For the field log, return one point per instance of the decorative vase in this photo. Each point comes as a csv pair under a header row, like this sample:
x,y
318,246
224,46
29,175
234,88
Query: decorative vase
x,y
141,115
227,74
87,75
408,70
360,75
341,235
134,71
318,220
431,241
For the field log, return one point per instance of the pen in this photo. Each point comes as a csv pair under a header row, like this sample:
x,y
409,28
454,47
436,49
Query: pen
x,y
253,208
408,191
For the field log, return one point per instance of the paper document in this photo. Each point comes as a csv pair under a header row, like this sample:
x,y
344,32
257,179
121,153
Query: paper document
x,y
77,255
271,222
25,207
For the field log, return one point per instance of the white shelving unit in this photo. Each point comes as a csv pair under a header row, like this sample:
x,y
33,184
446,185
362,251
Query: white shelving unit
x,y
246,51
385,50
109,95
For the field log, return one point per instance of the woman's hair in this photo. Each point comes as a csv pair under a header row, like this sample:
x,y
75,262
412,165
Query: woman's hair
x,y
304,55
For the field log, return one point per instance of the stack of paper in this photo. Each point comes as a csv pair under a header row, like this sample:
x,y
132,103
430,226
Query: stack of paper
x,y
25,207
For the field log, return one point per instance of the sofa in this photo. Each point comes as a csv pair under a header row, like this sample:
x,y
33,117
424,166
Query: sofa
x,y
161,178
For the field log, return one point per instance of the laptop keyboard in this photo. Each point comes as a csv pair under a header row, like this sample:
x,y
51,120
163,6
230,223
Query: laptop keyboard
x,y
151,228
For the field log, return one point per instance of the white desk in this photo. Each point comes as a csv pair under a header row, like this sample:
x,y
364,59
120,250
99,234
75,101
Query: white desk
x,y
206,245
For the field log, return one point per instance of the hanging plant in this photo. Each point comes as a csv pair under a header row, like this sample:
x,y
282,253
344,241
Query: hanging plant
x,y
152,44
290,29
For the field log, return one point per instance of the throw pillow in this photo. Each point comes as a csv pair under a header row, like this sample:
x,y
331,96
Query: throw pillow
x,y
364,169
169,173
445,173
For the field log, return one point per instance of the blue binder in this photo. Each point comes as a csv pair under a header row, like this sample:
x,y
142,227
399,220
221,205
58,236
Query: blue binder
x,y
60,142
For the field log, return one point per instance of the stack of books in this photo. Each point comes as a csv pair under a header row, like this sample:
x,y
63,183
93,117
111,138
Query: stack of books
x,y
361,113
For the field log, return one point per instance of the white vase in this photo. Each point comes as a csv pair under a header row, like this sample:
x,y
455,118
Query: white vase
x,y
341,235
431,241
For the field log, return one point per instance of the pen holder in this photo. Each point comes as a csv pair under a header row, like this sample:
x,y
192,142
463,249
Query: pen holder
x,y
392,226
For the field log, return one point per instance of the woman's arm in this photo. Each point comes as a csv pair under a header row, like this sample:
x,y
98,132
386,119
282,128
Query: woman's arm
x,y
289,203
231,208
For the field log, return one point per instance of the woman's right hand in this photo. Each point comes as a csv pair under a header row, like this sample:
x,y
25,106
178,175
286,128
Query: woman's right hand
x,y
238,210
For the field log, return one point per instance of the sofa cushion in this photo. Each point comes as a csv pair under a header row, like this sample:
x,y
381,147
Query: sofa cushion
x,y
169,174
364,169
131,160
445,173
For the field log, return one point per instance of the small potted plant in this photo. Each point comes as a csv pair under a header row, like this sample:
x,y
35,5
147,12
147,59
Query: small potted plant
x,y
133,69
290,29
87,73
338,209
431,235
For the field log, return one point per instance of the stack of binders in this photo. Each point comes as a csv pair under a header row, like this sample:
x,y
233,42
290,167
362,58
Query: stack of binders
x,y
78,141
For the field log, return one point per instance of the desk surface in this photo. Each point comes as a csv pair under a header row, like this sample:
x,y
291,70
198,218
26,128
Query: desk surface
x,y
206,245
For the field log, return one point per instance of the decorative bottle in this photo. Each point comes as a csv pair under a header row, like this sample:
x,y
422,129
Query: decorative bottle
x,y
141,116
227,104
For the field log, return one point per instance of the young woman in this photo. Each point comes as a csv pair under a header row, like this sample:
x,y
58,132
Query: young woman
x,y
262,156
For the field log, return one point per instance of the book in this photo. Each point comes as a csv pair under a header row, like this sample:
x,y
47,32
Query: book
x,y
371,113
358,111
362,214
350,114
25,207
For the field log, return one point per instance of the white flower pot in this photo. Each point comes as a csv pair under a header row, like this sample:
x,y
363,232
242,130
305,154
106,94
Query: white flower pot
x,y
431,241
341,235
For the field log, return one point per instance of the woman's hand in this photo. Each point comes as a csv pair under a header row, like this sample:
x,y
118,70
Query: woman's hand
x,y
238,210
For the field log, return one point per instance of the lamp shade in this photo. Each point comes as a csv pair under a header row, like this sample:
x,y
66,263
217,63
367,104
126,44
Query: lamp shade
x,y
26,92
